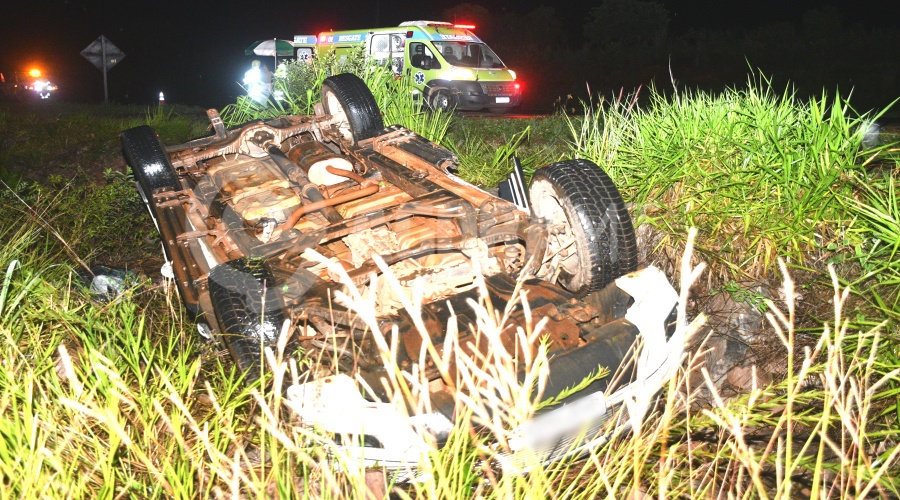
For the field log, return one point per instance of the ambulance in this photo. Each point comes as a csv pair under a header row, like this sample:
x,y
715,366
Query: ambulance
x,y
446,64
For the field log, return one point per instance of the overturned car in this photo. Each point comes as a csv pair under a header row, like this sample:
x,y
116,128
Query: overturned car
x,y
265,223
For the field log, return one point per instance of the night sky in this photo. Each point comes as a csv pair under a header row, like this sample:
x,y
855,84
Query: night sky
x,y
194,51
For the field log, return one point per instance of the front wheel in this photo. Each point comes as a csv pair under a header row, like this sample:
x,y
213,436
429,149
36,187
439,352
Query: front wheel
x,y
591,239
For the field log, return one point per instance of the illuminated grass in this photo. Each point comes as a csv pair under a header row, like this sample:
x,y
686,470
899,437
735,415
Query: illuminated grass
x,y
124,399
121,399
758,172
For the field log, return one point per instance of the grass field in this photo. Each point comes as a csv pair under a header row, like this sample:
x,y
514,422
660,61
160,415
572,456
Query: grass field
x,y
795,215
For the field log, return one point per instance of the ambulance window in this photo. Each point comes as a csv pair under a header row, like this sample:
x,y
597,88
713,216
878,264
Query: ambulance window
x,y
468,54
380,44
380,48
450,50
422,57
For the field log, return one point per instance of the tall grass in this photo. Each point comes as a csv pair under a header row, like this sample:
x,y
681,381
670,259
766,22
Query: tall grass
x,y
485,161
879,241
121,400
124,400
758,171
70,139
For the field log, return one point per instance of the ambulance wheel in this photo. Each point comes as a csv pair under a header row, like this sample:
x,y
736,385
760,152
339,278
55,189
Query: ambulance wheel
x,y
347,98
442,100
591,240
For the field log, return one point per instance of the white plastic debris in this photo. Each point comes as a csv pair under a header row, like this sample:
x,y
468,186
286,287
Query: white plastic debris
x,y
167,271
105,284
334,404
654,299
204,330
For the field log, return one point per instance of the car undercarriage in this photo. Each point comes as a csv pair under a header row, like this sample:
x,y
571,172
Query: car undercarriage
x,y
268,224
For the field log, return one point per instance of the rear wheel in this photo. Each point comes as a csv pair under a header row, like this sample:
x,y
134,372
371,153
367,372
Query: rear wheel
x,y
249,309
147,157
591,239
153,171
347,98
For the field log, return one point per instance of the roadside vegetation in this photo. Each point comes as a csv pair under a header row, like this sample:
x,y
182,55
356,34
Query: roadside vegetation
x,y
794,209
300,88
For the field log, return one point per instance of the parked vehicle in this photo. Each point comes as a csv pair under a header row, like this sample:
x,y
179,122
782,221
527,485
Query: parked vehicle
x,y
41,88
33,85
448,65
266,222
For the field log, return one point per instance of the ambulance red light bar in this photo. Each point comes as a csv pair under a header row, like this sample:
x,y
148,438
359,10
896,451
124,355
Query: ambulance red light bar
x,y
464,26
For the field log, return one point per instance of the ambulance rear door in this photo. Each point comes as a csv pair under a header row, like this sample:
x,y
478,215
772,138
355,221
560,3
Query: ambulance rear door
x,y
388,49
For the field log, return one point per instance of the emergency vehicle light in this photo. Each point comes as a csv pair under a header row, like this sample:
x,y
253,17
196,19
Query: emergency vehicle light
x,y
409,34
464,26
34,73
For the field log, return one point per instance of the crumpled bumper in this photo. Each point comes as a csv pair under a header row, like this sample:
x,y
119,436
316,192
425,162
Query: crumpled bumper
x,y
335,404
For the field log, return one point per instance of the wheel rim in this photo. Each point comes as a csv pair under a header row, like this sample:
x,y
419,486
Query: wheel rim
x,y
441,101
561,262
336,110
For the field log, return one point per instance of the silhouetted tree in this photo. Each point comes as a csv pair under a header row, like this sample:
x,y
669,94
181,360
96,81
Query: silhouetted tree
x,y
467,13
822,25
545,34
626,23
534,44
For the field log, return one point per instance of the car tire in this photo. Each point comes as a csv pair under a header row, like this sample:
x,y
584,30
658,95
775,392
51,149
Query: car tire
x,y
442,100
147,157
348,97
593,239
249,310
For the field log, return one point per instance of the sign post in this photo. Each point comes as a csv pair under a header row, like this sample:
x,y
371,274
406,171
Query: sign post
x,y
104,55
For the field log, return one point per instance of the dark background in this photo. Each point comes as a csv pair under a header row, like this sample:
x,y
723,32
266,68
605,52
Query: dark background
x,y
194,51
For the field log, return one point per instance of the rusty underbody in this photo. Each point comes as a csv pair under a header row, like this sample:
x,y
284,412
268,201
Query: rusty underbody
x,y
334,237
269,192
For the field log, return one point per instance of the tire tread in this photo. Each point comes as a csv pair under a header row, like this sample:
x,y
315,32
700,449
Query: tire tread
x,y
591,196
359,104
147,157
249,310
